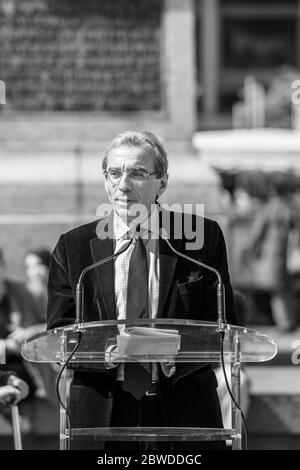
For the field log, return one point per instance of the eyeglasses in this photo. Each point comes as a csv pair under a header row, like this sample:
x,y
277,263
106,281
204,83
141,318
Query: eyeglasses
x,y
135,174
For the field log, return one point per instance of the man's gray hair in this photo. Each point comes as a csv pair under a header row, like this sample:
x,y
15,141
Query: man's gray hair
x,y
140,139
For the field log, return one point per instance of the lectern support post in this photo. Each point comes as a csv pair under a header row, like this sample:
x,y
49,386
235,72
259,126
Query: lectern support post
x,y
236,391
64,437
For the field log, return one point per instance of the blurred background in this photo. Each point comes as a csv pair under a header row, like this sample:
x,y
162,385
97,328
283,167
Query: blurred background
x,y
213,79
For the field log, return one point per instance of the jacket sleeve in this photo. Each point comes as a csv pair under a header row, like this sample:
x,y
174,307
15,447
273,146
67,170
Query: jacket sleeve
x,y
61,301
217,258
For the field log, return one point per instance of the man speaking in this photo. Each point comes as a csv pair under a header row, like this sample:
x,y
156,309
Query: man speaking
x,y
147,280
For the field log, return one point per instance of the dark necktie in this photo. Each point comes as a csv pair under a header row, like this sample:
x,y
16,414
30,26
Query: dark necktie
x,y
137,377
137,287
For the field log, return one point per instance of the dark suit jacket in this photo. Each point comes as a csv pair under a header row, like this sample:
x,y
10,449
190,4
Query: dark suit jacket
x,y
186,291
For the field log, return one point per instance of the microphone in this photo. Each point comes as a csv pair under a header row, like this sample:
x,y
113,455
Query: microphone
x,y
220,288
80,288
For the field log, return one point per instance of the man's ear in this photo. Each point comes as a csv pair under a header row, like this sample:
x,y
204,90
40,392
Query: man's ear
x,y
106,185
163,185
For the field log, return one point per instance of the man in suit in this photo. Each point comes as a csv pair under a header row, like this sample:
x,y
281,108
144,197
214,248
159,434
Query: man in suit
x,y
136,174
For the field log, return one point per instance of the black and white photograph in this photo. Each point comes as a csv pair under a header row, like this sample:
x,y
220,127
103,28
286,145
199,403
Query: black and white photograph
x,y
150,229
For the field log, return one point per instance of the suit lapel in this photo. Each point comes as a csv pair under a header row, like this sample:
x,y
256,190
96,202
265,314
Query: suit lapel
x,y
168,263
100,249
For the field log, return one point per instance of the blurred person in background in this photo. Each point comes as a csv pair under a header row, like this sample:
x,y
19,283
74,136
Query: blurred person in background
x,y
16,308
37,262
23,315
266,252
293,257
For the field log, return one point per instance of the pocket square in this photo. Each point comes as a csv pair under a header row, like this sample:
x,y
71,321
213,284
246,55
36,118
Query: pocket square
x,y
193,276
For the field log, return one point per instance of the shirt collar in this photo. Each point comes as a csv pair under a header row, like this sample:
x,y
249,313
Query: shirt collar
x,y
120,228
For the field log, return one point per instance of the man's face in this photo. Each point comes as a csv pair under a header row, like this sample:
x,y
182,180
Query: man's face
x,y
130,190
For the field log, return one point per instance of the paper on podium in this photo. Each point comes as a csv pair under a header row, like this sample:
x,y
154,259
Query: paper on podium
x,y
146,341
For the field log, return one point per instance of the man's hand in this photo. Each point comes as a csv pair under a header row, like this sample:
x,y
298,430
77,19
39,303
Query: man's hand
x,y
15,390
11,346
20,334
15,339
8,395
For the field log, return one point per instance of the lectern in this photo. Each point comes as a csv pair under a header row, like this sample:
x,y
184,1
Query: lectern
x,y
199,342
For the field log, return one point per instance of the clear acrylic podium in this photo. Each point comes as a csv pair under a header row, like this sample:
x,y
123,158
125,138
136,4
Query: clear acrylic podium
x,y
200,342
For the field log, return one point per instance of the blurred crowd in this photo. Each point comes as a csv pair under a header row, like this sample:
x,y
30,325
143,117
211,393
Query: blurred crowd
x,y
266,227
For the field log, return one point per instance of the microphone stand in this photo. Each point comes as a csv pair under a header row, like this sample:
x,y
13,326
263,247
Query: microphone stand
x,y
220,287
16,427
80,289
11,401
